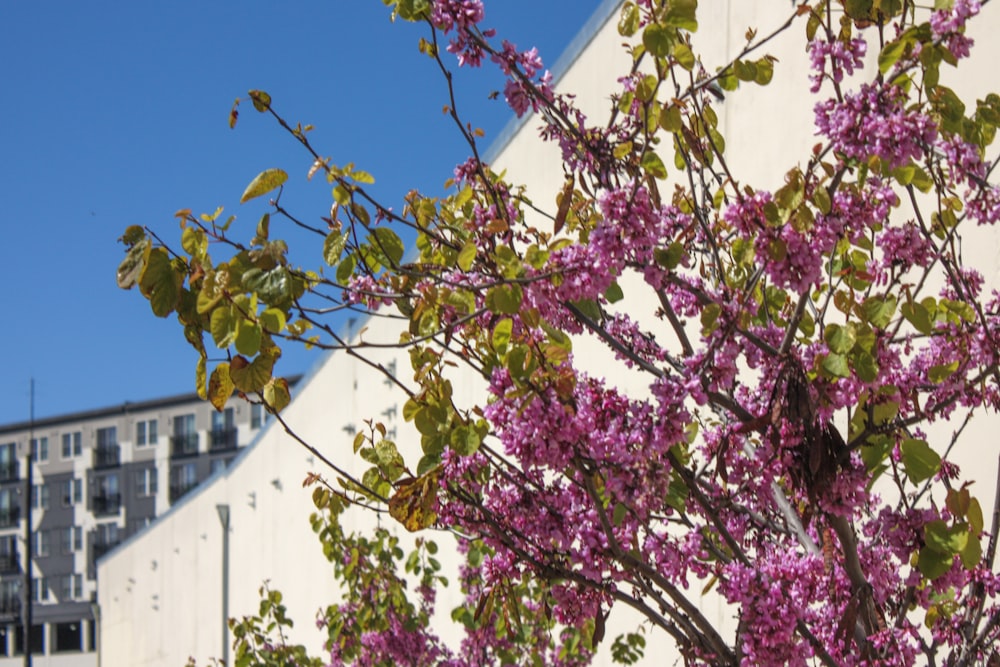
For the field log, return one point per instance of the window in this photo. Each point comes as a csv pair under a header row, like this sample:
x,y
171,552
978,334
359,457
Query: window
x,y
8,461
68,637
145,433
40,589
140,523
222,420
145,482
256,415
9,511
72,492
43,543
70,587
219,464
72,444
185,438
72,539
107,437
40,496
107,533
39,449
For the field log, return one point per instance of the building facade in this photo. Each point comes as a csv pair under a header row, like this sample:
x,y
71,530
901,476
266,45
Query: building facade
x,y
96,478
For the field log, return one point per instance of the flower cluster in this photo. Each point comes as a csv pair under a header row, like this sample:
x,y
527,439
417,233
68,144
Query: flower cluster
x,y
843,57
874,122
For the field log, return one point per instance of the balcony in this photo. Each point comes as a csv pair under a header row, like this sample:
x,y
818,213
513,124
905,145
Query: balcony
x,y
9,516
101,547
104,504
10,605
223,439
9,563
184,444
178,491
8,471
107,456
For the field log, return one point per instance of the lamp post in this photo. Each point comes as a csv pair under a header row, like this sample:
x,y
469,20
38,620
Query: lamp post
x,y
223,511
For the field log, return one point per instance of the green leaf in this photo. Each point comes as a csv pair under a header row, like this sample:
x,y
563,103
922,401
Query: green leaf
x,y
972,553
261,100
628,23
220,386
840,339
333,246
276,394
466,256
684,55
658,39
250,376
465,441
614,293
670,256
264,182
273,320
917,315
836,365
504,299
878,311
200,375
890,54
223,327
653,165
346,269
941,372
932,563
501,334
919,461
161,283
939,536
248,337
388,244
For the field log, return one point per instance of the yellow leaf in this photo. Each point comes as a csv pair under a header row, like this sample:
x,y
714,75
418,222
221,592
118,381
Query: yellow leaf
x,y
415,501
220,386
265,181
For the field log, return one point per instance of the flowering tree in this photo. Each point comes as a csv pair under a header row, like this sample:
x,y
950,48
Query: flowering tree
x,y
811,357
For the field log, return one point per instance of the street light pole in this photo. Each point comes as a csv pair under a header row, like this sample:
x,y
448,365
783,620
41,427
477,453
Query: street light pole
x,y
223,511
26,608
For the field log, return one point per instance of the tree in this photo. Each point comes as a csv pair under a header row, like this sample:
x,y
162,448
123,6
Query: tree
x,y
811,357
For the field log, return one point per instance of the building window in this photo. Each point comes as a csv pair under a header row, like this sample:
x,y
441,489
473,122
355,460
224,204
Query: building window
x,y
70,587
43,543
72,539
39,450
40,589
107,497
256,415
40,496
183,478
72,444
8,462
9,511
145,433
145,482
67,637
107,437
140,523
223,434
185,438
72,492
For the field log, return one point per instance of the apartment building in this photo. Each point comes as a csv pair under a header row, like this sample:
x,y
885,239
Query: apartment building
x,y
96,478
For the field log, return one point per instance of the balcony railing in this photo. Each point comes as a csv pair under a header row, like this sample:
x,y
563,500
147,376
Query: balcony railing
x,y
101,547
107,456
8,471
9,563
10,605
223,439
106,503
184,444
178,491
9,516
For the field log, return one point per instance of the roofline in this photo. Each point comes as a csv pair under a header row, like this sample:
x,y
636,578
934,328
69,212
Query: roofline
x,y
559,69
128,407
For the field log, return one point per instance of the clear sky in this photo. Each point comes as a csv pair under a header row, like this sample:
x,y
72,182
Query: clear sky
x,y
115,113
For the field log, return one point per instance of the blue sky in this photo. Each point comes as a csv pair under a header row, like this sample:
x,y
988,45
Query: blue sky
x,y
115,113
